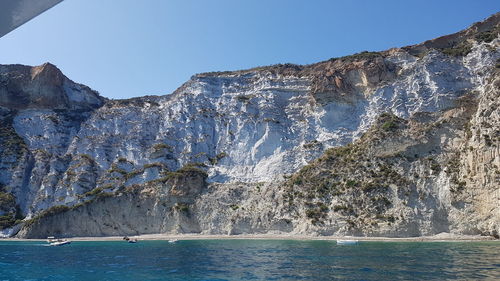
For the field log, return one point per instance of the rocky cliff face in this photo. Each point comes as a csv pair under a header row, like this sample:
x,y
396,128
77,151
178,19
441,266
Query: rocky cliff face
x,y
398,143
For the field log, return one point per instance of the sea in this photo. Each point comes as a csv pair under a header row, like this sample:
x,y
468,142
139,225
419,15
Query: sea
x,y
250,260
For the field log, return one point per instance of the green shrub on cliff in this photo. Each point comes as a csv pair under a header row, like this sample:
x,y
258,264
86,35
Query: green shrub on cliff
x,y
181,207
7,200
459,50
189,169
52,211
486,36
94,191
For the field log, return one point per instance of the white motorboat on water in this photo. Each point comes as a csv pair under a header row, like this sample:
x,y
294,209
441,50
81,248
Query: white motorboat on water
x,y
347,242
57,242
60,243
172,240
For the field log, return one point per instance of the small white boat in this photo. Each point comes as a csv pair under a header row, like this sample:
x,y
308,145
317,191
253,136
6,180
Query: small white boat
x,y
57,242
172,240
60,243
347,242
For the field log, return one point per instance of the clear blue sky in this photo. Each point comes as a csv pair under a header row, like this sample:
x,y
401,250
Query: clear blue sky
x,y
126,48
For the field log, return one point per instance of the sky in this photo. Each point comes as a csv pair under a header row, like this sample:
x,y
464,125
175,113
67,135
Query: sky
x,y
130,48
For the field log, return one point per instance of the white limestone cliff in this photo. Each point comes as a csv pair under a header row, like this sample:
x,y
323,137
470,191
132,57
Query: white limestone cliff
x,y
62,143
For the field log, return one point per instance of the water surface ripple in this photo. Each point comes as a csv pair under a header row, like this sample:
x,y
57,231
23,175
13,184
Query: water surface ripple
x,y
250,260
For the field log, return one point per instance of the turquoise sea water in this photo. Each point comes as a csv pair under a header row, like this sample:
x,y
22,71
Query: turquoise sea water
x,y
250,260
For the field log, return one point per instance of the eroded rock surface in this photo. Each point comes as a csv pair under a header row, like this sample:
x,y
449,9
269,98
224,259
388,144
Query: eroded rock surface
x,y
417,129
